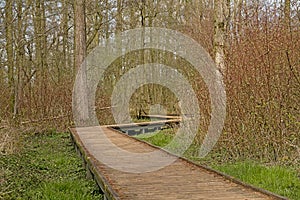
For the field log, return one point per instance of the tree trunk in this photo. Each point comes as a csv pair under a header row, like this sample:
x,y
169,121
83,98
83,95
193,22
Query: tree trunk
x,y
10,51
40,56
236,18
287,15
107,29
65,35
82,111
19,61
80,33
220,26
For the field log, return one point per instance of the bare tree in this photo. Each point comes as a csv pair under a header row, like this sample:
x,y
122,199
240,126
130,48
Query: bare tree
x,y
65,34
40,53
80,54
20,54
287,15
220,27
10,50
80,33
236,17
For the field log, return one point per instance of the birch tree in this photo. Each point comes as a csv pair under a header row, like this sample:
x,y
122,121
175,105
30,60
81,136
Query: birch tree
x,y
220,26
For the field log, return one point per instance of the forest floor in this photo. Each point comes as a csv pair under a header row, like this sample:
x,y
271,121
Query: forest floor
x,y
45,167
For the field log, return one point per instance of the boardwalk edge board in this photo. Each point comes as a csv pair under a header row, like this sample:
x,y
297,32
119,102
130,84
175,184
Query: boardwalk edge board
x,y
89,164
110,194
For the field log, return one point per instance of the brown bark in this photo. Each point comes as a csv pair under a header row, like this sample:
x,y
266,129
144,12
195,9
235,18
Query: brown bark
x,y
40,56
80,53
80,33
287,15
65,34
19,61
10,50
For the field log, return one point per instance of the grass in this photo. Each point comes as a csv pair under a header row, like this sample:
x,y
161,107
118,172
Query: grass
x,y
278,179
159,138
281,180
47,167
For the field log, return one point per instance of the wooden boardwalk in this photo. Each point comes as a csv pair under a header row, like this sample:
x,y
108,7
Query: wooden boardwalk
x,y
179,180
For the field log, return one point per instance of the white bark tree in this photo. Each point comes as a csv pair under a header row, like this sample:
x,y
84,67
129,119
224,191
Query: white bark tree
x,y
221,14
